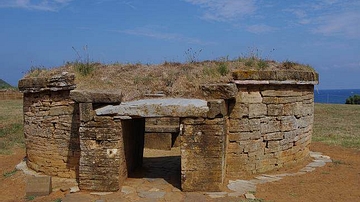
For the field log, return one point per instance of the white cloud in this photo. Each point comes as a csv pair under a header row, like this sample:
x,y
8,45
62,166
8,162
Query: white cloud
x,y
260,29
344,24
43,5
225,10
148,32
329,17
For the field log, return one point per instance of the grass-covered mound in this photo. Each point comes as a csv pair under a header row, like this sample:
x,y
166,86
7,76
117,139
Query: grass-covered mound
x,y
173,79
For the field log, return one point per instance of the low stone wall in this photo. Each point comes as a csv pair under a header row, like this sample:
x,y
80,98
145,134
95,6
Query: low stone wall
x,y
51,126
10,95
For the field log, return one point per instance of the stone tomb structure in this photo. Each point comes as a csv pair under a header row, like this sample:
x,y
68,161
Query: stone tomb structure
x,y
259,122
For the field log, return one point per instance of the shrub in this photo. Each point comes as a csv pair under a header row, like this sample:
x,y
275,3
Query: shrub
x,y
354,100
223,69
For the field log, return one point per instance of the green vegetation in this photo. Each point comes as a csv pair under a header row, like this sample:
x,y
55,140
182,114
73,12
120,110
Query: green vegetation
x,y
354,100
30,198
4,85
337,125
223,69
36,71
11,125
11,173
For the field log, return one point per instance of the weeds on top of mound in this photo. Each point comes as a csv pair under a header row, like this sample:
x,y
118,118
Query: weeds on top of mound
x,y
174,79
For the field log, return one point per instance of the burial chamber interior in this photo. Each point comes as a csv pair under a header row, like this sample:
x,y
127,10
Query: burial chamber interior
x,y
256,123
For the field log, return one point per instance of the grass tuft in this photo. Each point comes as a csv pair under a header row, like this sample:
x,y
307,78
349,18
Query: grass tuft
x,y
10,173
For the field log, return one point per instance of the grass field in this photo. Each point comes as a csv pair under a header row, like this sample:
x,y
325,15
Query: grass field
x,y
337,125
334,124
11,125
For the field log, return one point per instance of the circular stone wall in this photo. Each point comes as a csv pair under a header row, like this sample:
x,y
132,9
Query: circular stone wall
x,y
270,121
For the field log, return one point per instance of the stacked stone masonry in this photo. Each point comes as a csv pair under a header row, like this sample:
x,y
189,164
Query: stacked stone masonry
x,y
270,126
240,128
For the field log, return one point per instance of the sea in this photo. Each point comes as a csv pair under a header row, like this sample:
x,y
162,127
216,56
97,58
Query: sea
x,y
338,96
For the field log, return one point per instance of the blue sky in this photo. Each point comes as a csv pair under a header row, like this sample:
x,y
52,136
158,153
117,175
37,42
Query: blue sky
x,y
322,33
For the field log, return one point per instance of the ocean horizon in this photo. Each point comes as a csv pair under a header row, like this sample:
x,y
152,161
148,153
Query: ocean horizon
x,y
334,96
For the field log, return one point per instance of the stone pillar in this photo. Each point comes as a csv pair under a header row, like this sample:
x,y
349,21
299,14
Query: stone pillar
x,y
202,154
101,152
102,162
51,123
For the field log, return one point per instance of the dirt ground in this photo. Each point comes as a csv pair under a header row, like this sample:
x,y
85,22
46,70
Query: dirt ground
x,y
336,181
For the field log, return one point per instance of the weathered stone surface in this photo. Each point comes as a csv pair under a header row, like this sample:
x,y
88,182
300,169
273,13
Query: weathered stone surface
x,y
158,108
161,129
65,81
257,110
160,141
220,91
250,97
163,121
217,108
199,172
276,75
84,96
86,112
38,186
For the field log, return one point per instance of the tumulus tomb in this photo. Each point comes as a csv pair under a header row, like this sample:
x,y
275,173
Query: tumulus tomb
x,y
229,120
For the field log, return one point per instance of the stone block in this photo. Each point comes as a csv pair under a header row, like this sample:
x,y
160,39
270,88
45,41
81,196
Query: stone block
x,y
178,107
162,129
161,141
90,96
244,125
61,82
275,109
168,121
255,135
38,186
274,136
220,91
217,108
269,125
288,123
249,97
257,110
61,110
86,112
239,111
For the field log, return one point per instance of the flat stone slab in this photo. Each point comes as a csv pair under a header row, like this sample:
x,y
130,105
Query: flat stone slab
x,y
241,186
152,194
38,186
173,107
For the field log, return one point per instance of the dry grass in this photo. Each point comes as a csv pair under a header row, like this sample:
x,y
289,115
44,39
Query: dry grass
x,y
171,78
11,125
337,125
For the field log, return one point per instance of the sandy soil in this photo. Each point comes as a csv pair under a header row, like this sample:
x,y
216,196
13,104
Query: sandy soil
x,y
336,181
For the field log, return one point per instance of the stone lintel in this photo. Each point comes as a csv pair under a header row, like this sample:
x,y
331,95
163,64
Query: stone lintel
x,y
89,96
287,82
288,75
64,81
220,91
172,107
